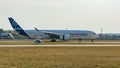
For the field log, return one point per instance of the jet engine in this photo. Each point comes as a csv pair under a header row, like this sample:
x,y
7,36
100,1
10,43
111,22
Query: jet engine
x,y
38,41
65,37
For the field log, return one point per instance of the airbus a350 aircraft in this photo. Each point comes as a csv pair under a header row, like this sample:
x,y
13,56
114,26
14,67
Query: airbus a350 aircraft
x,y
54,34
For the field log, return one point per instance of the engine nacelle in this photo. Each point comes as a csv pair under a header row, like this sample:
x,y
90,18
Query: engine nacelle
x,y
38,41
65,37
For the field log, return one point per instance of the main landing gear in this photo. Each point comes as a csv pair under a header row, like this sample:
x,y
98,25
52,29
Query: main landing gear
x,y
53,40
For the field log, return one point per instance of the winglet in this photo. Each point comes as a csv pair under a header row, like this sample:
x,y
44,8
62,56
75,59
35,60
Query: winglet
x,y
36,29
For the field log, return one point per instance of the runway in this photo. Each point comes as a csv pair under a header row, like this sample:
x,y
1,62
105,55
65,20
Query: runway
x,y
54,45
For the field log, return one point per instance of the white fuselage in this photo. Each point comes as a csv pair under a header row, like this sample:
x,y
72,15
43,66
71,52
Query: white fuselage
x,y
73,34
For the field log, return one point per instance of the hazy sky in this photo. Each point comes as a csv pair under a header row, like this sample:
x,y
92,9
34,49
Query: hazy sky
x,y
61,14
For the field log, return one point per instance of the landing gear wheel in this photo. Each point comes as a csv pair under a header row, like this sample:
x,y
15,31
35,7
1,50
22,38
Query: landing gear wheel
x,y
53,40
92,40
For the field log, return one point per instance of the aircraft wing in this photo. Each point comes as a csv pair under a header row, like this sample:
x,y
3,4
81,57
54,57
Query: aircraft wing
x,y
51,34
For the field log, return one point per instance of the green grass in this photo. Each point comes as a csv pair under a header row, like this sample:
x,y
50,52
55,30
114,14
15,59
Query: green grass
x,y
71,42
16,42
60,57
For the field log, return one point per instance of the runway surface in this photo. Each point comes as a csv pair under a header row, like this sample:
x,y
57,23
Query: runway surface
x,y
53,45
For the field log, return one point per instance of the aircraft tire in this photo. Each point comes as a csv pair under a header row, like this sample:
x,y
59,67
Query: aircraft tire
x,y
53,40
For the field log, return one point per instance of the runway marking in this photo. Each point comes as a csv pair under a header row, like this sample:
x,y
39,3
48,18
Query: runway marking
x,y
53,45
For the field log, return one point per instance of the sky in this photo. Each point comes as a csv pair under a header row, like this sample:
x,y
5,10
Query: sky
x,y
62,14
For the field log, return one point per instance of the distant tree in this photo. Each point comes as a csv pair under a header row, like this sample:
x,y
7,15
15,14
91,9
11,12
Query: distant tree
x,y
1,30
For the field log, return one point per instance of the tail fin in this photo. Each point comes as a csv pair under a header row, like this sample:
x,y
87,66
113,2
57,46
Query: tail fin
x,y
17,28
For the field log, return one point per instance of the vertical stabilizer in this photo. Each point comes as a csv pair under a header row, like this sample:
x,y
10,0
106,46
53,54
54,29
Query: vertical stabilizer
x,y
17,28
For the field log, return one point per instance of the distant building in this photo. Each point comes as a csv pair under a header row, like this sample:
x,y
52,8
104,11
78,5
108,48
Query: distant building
x,y
6,35
109,36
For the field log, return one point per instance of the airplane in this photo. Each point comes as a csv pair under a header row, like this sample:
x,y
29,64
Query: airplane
x,y
54,34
